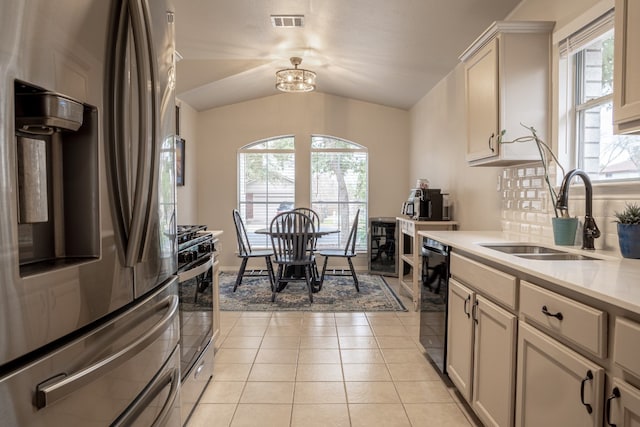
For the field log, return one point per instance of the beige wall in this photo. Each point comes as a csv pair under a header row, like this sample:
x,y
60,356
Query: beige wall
x,y
187,194
222,131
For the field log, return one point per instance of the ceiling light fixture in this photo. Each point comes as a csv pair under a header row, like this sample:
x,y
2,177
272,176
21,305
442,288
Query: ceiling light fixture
x,y
295,79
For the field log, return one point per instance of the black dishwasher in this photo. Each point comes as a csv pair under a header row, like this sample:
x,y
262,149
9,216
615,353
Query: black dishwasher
x,y
433,304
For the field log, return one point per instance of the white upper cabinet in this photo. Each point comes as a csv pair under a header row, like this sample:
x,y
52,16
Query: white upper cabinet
x,y
507,80
626,78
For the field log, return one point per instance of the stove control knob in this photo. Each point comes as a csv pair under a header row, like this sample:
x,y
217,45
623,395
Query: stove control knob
x,y
205,247
187,256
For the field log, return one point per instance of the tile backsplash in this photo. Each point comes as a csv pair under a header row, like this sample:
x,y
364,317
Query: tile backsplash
x,y
527,208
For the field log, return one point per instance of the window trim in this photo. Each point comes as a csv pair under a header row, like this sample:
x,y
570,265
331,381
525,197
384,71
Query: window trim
x,y
565,118
245,149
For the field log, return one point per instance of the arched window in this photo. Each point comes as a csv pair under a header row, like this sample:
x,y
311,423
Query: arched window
x,y
339,187
266,183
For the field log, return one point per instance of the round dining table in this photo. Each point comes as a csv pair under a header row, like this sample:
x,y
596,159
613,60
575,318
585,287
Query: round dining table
x,y
320,232
295,272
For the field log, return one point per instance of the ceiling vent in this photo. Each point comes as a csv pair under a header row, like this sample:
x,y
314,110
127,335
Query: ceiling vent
x,y
287,21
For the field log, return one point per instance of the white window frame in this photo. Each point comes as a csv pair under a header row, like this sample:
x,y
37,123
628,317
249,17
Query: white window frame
x,y
566,118
261,241
362,204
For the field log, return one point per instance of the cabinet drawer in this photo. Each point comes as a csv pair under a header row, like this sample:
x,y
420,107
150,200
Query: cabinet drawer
x,y
496,285
626,345
580,324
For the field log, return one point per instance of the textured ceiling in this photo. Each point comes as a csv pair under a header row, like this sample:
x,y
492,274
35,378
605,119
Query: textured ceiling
x,y
389,52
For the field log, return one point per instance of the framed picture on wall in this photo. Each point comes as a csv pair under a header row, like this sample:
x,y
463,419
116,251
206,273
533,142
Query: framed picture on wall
x,y
180,161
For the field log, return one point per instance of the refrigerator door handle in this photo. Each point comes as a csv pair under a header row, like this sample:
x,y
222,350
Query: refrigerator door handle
x,y
153,128
115,141
172,379
146,142
62,385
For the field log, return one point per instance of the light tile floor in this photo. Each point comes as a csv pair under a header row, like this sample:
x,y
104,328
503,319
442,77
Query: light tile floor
x,y
325,369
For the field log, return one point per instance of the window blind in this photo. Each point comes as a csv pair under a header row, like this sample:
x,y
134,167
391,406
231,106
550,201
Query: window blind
x,y
585,35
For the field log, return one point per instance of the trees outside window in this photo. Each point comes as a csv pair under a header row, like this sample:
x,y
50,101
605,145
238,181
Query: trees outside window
x,y
339,187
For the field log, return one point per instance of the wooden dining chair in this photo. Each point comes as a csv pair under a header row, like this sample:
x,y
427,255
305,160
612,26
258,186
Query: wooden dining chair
x,y
348,252
292,237
315,218
246,253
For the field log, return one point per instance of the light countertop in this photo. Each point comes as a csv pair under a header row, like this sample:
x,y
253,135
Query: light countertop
x,y
216,233
611,279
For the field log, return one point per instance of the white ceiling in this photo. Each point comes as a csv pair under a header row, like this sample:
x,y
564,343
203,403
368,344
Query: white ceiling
x,y
389,52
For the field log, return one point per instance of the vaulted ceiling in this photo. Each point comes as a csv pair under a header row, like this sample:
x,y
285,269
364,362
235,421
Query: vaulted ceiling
x,y
389,52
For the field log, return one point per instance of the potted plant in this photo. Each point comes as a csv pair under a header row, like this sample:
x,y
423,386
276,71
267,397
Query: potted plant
x,y
629,230
564,227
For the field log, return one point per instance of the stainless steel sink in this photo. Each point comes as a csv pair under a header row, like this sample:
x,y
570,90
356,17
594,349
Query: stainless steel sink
x,y
522,249
561,256
536,252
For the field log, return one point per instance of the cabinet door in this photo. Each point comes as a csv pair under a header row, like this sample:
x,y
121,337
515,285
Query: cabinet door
x,y
626,95
481,74
555,385
460,337
494,363
623,405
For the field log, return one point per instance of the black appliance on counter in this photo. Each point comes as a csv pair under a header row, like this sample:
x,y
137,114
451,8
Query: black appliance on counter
x,y
433,304
424,204
196,254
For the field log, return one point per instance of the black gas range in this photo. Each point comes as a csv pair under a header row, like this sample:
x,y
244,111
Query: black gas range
x,y
195,243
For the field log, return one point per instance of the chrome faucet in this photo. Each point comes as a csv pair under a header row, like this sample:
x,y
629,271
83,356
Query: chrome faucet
x,y
590,230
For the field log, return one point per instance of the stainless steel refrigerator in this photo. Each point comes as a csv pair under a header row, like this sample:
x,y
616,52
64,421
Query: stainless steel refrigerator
x,y
88,291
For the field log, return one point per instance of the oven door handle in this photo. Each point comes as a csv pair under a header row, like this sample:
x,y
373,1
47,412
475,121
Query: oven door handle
x,y
65,384
195,271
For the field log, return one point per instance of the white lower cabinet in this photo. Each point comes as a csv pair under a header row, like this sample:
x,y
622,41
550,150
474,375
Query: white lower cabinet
x,y
481,354
555,385
460,337
528,355
623,405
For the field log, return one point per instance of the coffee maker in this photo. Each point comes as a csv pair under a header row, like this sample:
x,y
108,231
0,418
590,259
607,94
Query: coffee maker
x,y
424,204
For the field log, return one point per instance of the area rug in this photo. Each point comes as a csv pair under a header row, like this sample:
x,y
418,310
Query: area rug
x,y
338,294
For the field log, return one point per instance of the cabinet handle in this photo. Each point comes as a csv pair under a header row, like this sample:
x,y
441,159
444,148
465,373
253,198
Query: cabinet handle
x,y
464,307
546,312
614,395
490,142
589,377
475,311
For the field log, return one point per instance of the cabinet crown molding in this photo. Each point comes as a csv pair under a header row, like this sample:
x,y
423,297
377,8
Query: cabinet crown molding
x,y
506,27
